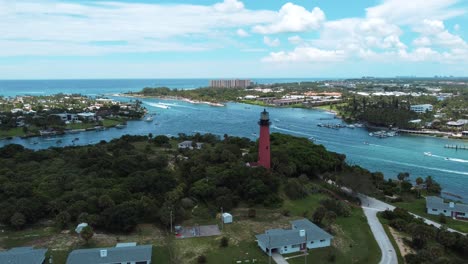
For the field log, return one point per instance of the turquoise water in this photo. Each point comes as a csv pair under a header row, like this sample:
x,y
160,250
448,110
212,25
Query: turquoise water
x,y
390,155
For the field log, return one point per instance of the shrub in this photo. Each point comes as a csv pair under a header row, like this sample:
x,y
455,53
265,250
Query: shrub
x,y
201,259
252,213
224,242
442,219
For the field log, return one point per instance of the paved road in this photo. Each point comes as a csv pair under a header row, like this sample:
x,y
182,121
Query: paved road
x,y
278,258
371,207
381,206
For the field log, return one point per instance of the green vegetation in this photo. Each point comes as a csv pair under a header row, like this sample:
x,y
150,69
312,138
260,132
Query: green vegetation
x,y
12,132
429,243
418,206
353,243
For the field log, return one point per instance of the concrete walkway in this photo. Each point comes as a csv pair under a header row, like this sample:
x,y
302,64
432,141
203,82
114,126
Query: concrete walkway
x,y
278,258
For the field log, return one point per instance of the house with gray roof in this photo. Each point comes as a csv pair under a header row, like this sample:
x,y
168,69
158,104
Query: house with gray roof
x,y
23,255
436,206
302,235
121,254
188,144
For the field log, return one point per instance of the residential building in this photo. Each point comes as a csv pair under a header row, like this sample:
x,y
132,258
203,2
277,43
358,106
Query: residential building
x,y
436,206
235,83
121,254
458,123
303,234
188,144
23,255
422,108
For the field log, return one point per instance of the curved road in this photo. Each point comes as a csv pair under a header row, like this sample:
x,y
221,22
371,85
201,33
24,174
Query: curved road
x,y
370,207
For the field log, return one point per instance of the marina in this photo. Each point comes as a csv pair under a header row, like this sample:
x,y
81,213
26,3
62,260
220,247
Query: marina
x,y
456,147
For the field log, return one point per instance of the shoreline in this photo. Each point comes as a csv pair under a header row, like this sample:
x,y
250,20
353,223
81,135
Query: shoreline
x,y
176,98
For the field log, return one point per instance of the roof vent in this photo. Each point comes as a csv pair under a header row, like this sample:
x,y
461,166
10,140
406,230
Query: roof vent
x,y
302,233
103,253
451,205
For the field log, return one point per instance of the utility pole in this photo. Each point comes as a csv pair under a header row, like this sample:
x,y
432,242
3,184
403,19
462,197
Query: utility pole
x,y
269,248
171,223
222,219
305,253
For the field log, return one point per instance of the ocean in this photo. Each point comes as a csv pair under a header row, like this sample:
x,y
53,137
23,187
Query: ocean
x,y
392,155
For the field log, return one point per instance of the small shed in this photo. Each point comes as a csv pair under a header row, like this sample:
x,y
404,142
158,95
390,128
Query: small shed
x,y
227,218
80,227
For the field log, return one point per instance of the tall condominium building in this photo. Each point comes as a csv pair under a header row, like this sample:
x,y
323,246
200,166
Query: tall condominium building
x,y
230,83
423,108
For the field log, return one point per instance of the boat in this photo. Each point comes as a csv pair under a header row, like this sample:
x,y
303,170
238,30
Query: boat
x,y
121,126
427,154
447,158
149,119
58,141
351,126
366,143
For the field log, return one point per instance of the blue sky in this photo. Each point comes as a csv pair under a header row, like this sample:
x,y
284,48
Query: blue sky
x,y
60,39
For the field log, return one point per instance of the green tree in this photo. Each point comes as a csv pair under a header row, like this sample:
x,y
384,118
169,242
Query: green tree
x,y
87,233
319,214
18,220
62,219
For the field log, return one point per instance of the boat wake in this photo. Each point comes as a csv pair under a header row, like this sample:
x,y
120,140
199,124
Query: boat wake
x,y
158,105
416,166
293,131
450,159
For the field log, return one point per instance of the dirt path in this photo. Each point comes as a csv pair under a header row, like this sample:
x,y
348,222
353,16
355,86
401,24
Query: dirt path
x,y
404,249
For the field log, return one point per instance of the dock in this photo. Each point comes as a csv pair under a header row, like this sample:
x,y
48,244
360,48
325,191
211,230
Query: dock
x,y
457,147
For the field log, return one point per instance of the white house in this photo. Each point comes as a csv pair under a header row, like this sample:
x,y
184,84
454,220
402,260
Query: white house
x,y
436,206
121,254
303,235
188,144
21,255
422,108
227,218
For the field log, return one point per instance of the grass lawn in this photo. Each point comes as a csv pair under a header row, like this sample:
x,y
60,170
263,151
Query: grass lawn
x,y
80,125
353,243
111,122
13,132
299,207
418,207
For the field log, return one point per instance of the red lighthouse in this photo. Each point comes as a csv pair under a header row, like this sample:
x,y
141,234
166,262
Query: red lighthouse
x,y
264,141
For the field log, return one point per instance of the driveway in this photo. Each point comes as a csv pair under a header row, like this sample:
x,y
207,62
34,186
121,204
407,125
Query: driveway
x,y
278,258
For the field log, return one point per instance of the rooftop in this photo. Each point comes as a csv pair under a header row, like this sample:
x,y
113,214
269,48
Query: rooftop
x,y
23,255
112,255
435,202
275,238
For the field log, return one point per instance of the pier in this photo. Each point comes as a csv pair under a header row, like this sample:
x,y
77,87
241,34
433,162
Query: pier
x,y
456,147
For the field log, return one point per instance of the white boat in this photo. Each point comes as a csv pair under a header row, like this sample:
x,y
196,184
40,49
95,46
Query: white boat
x,y
120,126
149,119
351,126
427,154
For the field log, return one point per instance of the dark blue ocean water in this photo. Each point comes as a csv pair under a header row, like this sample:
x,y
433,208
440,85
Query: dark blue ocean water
x,y
390,155
109,86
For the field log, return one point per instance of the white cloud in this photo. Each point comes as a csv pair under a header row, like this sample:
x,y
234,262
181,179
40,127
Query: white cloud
x,y
293,18
271,42
422,41
438,35
306,54
295,40
74,27
407,12
242,33
456,27
229,6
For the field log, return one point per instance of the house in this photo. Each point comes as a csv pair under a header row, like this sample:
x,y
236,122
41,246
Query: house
x,y
422,108
66,117
303,234
227,218
436,206
23,255
188,144
121,254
